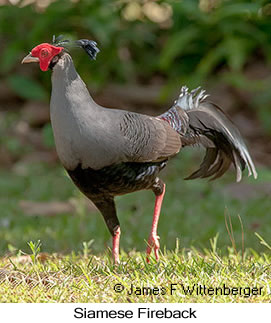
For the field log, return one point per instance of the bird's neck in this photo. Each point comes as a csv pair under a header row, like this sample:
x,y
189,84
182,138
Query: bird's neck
x,y
74,114
68,86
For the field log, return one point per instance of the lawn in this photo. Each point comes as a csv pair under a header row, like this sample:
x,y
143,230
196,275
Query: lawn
x,y
180,276
207,232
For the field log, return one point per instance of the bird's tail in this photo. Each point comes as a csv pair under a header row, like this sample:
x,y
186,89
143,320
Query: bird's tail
x,y
208,126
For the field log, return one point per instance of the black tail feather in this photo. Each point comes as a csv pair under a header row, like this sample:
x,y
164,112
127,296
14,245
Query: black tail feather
x,y
210,127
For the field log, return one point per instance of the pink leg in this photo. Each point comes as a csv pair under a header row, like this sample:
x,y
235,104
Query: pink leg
x,y
115,248
153,241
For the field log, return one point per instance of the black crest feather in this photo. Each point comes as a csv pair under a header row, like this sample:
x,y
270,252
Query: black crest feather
x,y
89,46
59,41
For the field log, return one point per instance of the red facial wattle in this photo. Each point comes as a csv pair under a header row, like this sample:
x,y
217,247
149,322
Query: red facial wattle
x,y
45,52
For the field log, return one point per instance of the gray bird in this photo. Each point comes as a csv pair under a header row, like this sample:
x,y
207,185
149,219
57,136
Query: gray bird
x,y
109,152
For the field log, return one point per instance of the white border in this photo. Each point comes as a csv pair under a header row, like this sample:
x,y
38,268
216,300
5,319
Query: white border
x,y
211,313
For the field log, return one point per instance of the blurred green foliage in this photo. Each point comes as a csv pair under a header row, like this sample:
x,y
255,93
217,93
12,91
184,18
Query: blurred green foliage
x,y
182,42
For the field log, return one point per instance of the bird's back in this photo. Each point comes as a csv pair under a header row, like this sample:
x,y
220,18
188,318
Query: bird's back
x,y
94,136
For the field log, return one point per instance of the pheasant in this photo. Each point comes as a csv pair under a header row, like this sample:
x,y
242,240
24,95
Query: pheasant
x,y
110,152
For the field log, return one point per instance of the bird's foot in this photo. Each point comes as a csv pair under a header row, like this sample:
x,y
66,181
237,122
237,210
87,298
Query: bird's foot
x,y
153,243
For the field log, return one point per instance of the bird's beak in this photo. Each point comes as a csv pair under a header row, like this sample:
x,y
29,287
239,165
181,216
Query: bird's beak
x,y
30,59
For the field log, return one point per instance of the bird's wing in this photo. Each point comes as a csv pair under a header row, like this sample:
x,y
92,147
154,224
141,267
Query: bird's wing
x,y
148,138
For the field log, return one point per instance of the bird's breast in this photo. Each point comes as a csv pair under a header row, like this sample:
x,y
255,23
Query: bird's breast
x,y
80,139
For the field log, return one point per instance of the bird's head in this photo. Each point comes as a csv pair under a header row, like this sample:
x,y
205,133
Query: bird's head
x,y
46,54
43,54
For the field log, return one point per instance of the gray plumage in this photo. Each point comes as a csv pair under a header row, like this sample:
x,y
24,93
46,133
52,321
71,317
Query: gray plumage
x,y
109,152
96,137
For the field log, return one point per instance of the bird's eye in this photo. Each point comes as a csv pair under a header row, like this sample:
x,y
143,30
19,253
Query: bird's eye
x,y
44,52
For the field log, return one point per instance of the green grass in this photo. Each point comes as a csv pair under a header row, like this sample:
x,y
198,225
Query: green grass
x,y
75,263
88,278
